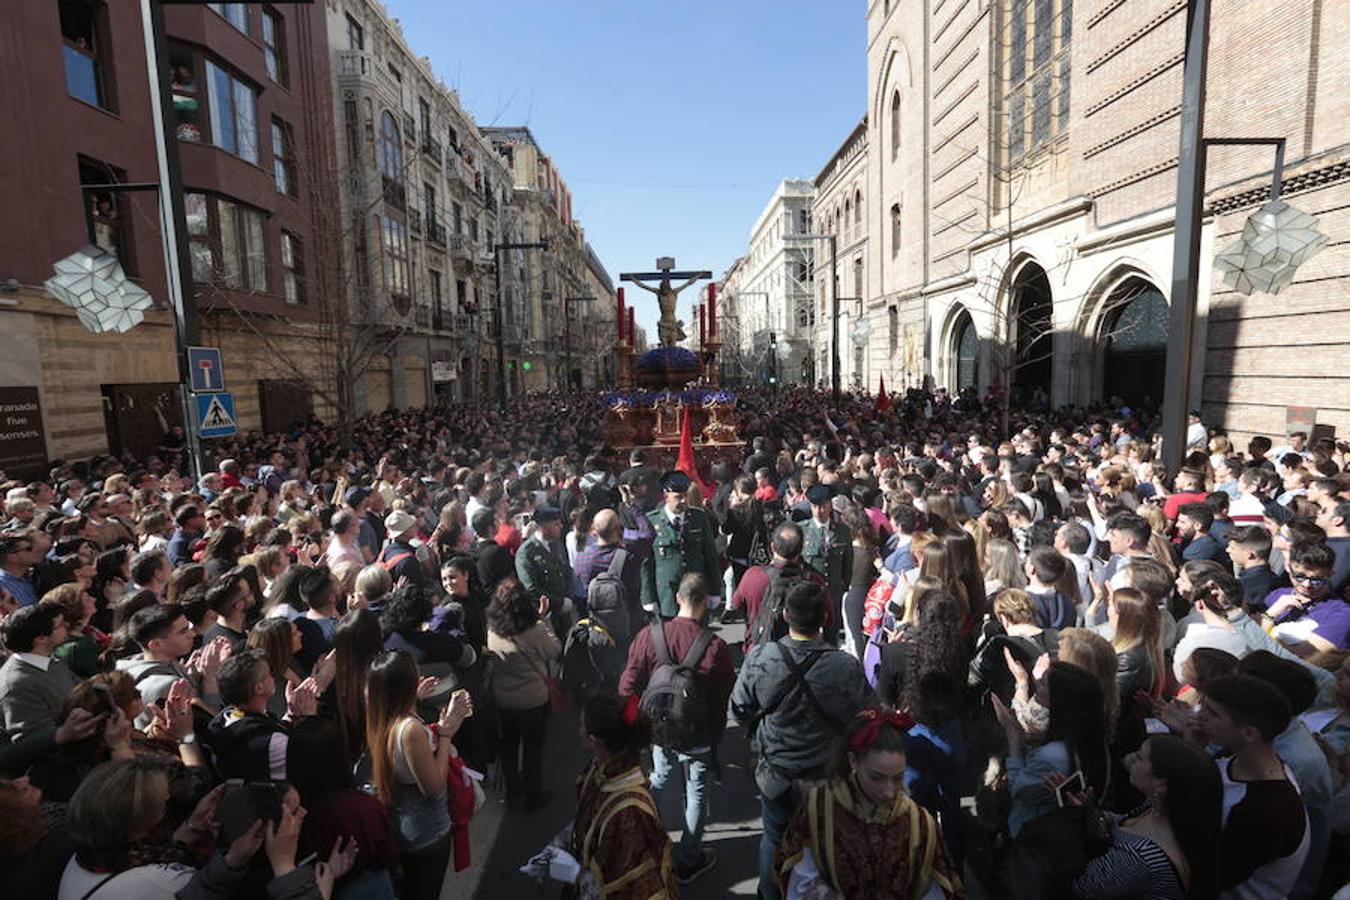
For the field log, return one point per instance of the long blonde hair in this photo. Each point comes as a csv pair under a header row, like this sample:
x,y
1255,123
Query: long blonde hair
x,y
1002,564
391,697
1093,653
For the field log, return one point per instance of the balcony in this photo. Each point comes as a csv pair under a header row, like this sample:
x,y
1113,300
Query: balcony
x,y
431,150
395,194
353,67
463,323
436,231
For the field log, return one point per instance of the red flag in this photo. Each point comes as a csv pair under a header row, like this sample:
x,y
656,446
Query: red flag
x,y
883,402
686,462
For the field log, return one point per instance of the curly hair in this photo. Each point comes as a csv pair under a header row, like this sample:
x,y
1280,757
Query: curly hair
x,y
406,608
512,610
937,667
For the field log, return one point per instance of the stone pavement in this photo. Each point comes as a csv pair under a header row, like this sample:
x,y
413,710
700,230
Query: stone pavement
x,y
504,839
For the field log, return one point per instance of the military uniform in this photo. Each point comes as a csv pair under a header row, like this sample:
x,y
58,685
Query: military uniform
x,y
674,554
828,548
542,572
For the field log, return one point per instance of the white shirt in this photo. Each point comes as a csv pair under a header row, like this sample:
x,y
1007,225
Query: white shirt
x,y
33,659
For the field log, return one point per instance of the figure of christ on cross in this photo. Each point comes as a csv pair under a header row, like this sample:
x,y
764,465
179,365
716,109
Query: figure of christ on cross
x,y
669,330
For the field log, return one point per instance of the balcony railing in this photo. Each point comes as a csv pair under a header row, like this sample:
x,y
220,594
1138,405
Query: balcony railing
x,y
431,150
395,194
436,231
463,323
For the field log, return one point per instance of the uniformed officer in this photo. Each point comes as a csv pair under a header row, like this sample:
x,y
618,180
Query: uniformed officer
x,y
684,540
827,545
542,571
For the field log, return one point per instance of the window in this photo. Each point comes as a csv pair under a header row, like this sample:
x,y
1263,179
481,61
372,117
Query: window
x,y
857,207
1036,73
895,228
453,137
234,13
292,269
356,35
186,99
437,300
429,201
456,219
227,242
895,125
424,116
390,158
107,214
274,46
857,277
83,33
473,229
462,296
234,113
394,241
283,159
893,329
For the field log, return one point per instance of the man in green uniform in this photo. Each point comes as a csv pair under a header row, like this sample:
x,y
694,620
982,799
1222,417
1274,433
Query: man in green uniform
x,y
684,540
542,572
827,547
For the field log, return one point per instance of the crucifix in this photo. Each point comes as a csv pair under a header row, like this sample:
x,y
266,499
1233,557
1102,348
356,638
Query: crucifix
x,y
669,329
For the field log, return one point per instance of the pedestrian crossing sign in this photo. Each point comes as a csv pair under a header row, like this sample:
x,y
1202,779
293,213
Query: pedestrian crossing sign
x,y
215,415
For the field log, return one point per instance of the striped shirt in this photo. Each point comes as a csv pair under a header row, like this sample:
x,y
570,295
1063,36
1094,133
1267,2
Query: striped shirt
x,y
1132,868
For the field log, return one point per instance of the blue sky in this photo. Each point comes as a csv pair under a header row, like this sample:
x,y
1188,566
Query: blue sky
x,y
672,122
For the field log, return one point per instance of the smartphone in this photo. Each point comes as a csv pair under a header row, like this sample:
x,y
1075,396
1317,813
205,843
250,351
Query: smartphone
x,y
1074,784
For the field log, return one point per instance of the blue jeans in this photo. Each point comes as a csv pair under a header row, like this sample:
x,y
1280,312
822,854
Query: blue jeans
x,y
694,767
775,815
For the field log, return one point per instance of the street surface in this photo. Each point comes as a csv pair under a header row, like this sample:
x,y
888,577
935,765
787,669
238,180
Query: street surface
x,y
504,839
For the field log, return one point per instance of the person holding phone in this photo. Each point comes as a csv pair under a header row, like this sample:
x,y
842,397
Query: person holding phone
x,y
1075,740
410,765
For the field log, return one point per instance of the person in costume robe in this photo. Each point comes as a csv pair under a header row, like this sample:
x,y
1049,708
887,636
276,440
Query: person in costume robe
x,y
617,836
858,834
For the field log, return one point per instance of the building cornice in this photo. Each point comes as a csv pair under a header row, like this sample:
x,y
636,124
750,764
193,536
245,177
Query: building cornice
x,y
1043,218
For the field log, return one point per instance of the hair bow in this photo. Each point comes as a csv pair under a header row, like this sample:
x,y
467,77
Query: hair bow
x,y
875,717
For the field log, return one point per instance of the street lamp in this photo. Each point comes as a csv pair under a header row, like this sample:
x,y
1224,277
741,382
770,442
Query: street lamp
x,y
497,307
567,333
1275,241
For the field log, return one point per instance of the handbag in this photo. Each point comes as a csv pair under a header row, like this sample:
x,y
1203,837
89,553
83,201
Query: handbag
x,y
558,701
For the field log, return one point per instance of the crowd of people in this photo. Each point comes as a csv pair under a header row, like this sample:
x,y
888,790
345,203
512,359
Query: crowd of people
x,y
986,652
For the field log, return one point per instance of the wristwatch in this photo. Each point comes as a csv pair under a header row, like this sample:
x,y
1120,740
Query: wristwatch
x,y
189,738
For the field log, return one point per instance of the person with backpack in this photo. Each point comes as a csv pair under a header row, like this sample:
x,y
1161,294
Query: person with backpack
x,y
399,557
795,696
763,588
683,674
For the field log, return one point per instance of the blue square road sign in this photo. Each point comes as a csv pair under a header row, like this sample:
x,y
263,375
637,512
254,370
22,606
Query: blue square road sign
x,y
205,370
215,415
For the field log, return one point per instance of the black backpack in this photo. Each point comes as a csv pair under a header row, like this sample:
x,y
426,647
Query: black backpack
x,y
592,660
769,624
607,600
676,698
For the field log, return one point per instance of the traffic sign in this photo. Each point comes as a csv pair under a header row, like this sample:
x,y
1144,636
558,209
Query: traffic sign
x,y
205,371
215,415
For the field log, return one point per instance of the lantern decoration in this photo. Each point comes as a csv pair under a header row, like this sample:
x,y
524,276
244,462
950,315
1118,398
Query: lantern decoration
x,y
1275,241
91,282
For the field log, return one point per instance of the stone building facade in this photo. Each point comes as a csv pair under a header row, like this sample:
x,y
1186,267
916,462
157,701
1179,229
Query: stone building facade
x,y
775,298
1022,159
839,210
550,281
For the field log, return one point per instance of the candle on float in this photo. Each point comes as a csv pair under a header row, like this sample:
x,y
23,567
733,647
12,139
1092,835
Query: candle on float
x,y
712,311
621,321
